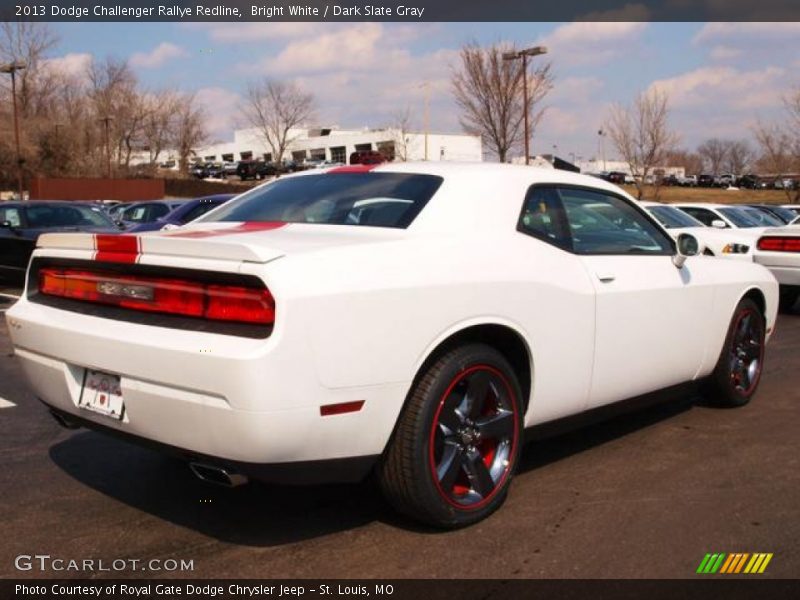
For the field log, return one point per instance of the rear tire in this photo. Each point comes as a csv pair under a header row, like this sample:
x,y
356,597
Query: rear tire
x,y
789,295
738,372
457,442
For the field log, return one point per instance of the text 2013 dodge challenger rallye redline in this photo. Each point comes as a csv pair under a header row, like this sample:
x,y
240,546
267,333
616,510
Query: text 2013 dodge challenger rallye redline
x,y
410,319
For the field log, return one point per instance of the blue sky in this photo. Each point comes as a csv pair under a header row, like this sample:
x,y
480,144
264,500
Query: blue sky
x,y
721,77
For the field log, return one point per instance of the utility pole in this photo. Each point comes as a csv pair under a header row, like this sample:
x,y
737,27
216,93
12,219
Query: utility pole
x,y
12,69
106,120
524,54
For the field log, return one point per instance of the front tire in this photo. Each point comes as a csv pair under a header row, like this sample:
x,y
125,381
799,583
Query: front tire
x,y
457,442
738,372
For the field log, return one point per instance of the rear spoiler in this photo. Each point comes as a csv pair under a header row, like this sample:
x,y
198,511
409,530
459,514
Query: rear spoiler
x,y
129,248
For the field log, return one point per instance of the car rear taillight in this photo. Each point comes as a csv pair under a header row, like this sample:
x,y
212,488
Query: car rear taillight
x,y
779,244
161,295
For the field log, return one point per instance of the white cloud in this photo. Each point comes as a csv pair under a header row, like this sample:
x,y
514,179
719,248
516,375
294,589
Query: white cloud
x,y
723,52
736,32
592,42
159,55
255,32
725,88
576,90
220,110
73,64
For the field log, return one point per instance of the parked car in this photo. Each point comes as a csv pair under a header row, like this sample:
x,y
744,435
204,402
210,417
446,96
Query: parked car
x,y
705,180
198,170
725,180
617,177
385,320
147,212
21,224
726,243
728,215
779,251
749,181
185,213
252,169
687,181
785,215
367,157
229,168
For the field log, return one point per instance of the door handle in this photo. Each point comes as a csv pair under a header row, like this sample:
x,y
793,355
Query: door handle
x,y
606,277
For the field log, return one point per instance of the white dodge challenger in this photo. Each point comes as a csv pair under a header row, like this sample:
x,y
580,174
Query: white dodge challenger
x,y
407,320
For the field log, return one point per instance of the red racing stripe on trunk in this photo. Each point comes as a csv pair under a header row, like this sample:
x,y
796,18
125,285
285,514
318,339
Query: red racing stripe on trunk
x,y
246,227
116,248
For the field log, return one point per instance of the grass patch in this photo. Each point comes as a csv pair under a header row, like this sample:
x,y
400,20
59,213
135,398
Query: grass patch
x,y
715,195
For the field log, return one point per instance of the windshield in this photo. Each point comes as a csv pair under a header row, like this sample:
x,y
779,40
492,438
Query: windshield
x,y
371,199
49,215
763,217
739,217
785,214
673,218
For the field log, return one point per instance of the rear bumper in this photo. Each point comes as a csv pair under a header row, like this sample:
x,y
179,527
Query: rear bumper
x,y
785,274
337,470
239,402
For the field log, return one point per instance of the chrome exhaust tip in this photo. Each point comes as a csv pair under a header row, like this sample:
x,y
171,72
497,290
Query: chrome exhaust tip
x,y
217,475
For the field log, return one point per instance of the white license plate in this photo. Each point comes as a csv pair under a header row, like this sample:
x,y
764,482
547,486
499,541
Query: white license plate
x,y
102,394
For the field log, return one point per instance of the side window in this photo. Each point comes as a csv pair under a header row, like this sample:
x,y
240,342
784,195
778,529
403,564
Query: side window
x,y
602,223
701,214
198,211
11,215
543,217
157,211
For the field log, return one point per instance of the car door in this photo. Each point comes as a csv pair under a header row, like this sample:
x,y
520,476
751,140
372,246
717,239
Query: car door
x,y
650,315
557,308
15,247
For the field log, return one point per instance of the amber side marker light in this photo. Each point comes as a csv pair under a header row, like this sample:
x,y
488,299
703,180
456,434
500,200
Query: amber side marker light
x,y
328,410
170,296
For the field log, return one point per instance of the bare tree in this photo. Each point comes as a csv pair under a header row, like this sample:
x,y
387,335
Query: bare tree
x,y
714,152
159,122
189,129
275,108
27,42
691,162
778,154
401,128
641,134
489,93
739,157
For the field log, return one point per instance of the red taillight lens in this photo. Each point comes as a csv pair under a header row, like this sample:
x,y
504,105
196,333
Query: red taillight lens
x,y
171,296
779,244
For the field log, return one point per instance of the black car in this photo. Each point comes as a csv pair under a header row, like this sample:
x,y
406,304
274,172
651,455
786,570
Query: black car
x,y
705,180
21,223
255,169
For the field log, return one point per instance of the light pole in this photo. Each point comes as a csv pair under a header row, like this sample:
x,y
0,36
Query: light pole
x,y
12,68
106,120
602,134
524,54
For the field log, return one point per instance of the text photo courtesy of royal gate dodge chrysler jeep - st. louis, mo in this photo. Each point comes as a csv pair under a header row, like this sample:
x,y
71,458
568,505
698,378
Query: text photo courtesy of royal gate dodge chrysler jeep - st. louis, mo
x,y
442,300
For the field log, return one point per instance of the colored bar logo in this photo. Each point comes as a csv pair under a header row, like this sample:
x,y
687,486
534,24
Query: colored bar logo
x,y
737,562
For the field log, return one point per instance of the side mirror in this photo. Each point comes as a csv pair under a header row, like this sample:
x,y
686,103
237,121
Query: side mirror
x,y
719,224
6,224
687,246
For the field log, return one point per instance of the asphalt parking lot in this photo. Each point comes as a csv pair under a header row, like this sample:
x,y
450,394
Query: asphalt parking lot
x,y
645,495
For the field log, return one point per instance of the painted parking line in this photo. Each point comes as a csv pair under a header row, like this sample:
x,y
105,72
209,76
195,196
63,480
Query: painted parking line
x,y
10,296
6,404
